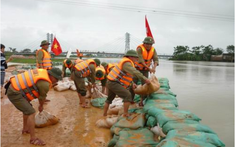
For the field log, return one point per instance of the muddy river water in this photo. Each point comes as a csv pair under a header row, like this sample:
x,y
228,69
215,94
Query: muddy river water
x,y
204,88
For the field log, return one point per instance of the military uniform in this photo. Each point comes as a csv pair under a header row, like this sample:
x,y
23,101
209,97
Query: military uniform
x,y
43,57
115,88
120,79
79,81
150,56
67,63
81,72
30,85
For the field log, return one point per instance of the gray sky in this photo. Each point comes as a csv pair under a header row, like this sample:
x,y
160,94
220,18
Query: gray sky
x,y
102,24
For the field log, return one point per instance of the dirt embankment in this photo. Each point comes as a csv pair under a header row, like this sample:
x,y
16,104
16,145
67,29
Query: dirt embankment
x,y
75,129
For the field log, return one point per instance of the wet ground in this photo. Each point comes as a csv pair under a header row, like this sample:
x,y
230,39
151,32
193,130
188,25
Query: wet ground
x,y
76,126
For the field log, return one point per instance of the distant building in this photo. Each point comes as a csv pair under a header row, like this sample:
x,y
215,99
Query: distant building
x,y
225,57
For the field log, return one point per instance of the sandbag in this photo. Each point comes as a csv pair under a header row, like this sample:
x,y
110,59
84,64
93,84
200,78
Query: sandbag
x,y
151,121
157,101
63,85
136,138
98,102
114,110
113,141
147,89
44,119
135,121
166,96
152,104
97,94
107,122
117,102
169,115
186,125
183,142
137,98
198,136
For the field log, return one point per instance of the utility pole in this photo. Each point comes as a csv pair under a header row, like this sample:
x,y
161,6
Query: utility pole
x,y
127,42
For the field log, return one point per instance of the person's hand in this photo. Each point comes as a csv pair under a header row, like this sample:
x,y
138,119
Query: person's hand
x,y
152,70
147,81
94,85
10,58
62,74
134,86
40,108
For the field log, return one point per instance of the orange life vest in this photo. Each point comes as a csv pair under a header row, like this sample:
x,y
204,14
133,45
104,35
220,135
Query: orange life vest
x,y
46,61
117,73
147,56
84,67
110,67
100,68
78,60
26,82
66,65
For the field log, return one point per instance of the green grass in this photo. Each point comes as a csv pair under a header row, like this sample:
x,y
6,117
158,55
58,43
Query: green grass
x,y
18,60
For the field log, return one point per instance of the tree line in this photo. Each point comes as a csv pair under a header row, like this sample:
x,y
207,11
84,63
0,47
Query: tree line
x,y
199,53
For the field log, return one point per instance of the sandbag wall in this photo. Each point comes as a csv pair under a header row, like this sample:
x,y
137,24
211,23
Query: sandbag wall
x,y
182,128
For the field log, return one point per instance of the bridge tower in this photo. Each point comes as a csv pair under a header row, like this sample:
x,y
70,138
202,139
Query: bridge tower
x,y
127,42
50,38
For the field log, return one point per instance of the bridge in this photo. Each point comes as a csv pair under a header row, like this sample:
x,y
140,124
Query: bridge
x,y
113,49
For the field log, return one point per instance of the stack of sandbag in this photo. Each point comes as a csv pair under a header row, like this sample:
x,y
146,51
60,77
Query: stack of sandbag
x,y
131,131
147,89
182,128
107,122
44,119
65,84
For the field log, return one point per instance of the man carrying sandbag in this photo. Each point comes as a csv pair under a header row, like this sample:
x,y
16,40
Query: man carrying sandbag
x,y
82,70
147,54
120,79
67,63
27,86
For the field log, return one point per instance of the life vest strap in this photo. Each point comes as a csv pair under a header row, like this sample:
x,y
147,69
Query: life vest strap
x,y
21,90
25,83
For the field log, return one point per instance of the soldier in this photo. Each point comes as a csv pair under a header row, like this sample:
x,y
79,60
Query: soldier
x,y
84,69
147,54
43,57
30,85
67,63
102,74
120,79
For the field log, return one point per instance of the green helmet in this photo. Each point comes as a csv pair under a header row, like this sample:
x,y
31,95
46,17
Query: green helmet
x,y
99,74
44,42
131,53
104,64
68,61
148,40
97,61
56,73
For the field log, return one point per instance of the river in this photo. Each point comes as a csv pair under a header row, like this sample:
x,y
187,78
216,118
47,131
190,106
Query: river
x,y
204,88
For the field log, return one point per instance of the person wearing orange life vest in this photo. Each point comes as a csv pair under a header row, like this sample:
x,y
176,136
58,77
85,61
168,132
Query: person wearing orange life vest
x,y
82,70
43,57
147,55
107,68
100,74
120,79
27,86
67,63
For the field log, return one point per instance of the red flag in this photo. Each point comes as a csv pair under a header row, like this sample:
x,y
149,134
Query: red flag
x,y
148,31
55,48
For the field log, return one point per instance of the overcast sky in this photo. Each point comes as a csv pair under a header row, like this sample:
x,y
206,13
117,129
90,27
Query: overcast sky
x,y
102,24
